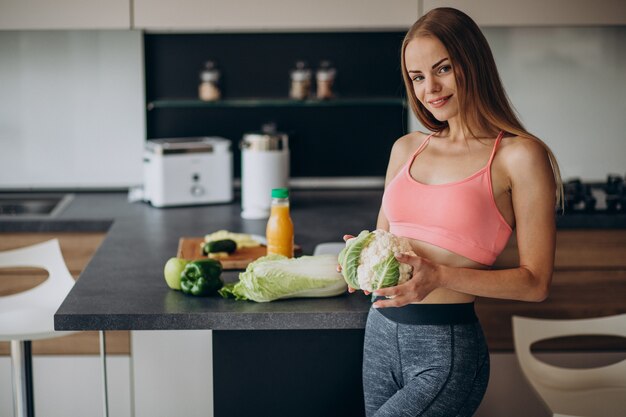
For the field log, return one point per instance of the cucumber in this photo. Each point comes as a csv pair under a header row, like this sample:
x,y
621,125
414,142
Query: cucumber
x,y
224,245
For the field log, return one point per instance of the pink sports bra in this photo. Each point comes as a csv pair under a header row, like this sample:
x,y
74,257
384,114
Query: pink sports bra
x,y
460,216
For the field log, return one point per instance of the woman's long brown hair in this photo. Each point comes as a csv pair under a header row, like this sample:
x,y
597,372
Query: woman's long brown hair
x,y
483,102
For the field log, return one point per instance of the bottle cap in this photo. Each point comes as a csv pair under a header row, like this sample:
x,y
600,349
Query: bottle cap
x,y
325,72
210,72
280,192
301,72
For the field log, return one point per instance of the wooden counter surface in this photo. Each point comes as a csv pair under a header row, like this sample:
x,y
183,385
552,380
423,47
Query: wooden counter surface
x,y
589,281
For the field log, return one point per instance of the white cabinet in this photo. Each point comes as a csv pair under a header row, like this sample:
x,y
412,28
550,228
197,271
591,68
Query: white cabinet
x,y
173,373
64,14
254,15
71,386
318,14
538,12
172,15
85,91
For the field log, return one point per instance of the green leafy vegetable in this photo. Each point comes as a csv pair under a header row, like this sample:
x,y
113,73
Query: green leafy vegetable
x,y
276,277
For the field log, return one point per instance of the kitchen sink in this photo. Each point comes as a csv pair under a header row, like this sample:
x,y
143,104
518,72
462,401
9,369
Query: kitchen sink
x,y
33,205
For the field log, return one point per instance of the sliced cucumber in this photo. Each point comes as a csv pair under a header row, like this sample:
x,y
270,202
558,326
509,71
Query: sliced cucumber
x,y
224,245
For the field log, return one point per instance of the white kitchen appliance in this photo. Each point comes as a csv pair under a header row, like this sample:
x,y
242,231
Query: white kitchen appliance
x,y
188,171
264,166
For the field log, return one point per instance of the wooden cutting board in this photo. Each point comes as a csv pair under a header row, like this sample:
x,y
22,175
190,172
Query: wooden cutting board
x,y
190,248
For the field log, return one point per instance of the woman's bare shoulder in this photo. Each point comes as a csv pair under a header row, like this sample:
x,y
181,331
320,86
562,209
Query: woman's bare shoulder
x,y
522,155
402,149
408,143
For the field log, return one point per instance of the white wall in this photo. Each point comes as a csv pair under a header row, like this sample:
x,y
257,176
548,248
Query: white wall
x,y
72,102
568,86
71,109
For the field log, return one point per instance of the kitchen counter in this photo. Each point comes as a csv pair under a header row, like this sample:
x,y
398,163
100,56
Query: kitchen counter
x,y
123,288
298,348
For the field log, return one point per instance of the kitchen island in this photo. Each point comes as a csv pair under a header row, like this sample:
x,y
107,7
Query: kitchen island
x,y
123,286
283,353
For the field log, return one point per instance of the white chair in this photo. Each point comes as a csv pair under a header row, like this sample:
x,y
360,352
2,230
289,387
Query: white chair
x,y
591,392
29,315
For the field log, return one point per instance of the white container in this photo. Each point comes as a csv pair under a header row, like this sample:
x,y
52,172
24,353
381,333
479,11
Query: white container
x,y
188,171
264,166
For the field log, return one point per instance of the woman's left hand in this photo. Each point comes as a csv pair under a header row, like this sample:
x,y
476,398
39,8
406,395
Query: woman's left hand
x,y
424,280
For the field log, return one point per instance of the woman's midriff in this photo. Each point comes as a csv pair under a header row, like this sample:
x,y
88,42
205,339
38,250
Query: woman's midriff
x,y
442,256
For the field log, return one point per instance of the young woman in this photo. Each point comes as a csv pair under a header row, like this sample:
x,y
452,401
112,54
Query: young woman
x,y
457,194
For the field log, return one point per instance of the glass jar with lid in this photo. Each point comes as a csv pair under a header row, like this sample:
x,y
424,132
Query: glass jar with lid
x,y
300,82
209,89
325,77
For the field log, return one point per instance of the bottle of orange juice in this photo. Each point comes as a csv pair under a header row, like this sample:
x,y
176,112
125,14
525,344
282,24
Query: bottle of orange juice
x,y
279,231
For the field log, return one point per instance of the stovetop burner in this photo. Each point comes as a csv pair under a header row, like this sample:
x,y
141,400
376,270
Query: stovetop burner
x,y
589,197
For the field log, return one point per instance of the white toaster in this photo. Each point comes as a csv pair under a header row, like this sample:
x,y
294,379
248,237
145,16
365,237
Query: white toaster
x,y
188,171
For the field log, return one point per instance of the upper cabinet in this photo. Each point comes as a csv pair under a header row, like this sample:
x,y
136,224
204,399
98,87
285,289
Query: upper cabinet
x,y
538,12
64,14
294,15
272,15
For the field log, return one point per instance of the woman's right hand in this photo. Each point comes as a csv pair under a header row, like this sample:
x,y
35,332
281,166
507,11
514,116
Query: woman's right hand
x,y
350,289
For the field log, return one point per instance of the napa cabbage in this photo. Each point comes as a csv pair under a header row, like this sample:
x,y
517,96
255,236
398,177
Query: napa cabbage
x,y
276,277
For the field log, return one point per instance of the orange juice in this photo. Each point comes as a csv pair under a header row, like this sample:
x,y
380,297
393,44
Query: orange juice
x,y
279,231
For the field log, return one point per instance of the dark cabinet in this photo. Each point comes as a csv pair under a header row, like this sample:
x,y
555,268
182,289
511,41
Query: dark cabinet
x,y
347,136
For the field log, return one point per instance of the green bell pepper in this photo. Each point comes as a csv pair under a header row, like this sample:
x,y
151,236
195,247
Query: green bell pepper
x,y
201,277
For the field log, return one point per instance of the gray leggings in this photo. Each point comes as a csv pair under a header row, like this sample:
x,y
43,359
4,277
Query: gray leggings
x,y
423,369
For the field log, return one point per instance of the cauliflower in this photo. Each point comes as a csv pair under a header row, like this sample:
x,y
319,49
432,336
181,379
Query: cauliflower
x,y
368,260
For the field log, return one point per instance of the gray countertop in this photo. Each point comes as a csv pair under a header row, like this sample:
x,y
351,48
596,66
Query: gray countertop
x,y
123,287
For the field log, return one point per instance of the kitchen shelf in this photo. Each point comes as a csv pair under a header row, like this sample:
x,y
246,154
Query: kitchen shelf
x,y
174,103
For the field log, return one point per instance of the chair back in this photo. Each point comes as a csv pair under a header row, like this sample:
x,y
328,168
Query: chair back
x,y
590,392
29,315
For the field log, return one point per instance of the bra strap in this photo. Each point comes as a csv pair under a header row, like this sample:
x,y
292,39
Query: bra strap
x,y
409,162
495,146
422,146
